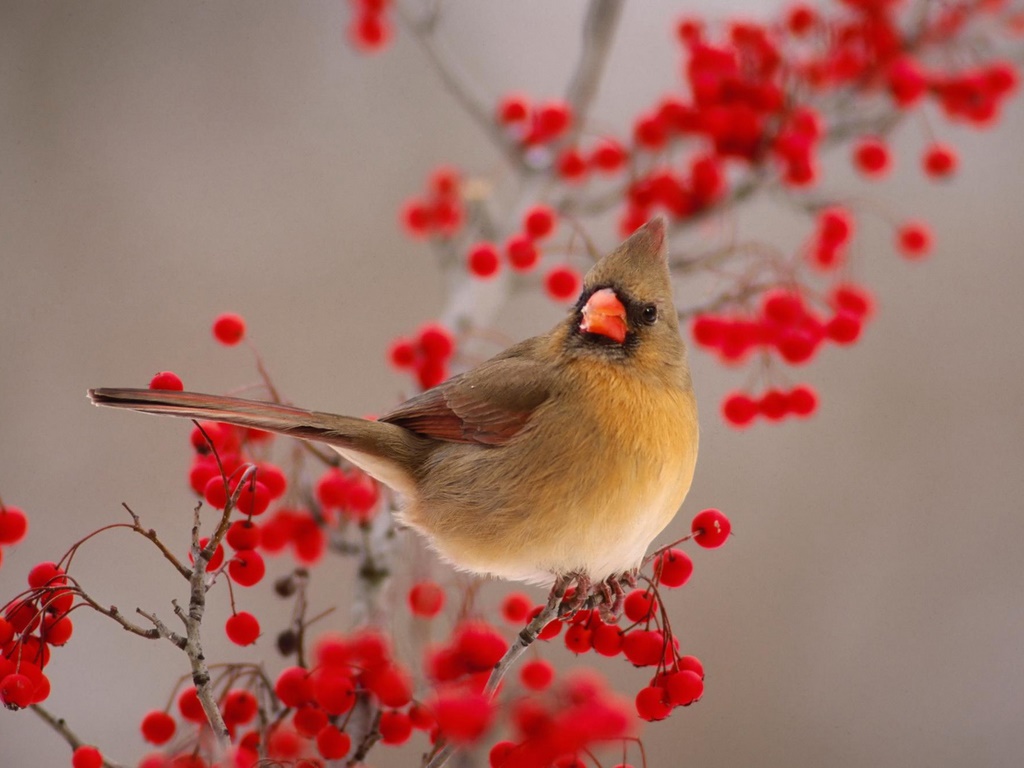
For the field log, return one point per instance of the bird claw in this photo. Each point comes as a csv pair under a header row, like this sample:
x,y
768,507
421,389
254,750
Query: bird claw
x,y
608,596
572,604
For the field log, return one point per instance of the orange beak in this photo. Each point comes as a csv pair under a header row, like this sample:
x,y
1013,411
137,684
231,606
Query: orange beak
x,y
604,314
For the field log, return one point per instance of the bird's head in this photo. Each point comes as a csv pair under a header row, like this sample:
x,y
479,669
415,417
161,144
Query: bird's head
x,y
626,310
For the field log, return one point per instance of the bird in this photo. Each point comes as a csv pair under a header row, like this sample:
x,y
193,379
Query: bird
x,y
563,456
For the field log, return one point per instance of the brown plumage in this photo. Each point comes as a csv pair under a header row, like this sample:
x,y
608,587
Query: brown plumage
x,y
565,454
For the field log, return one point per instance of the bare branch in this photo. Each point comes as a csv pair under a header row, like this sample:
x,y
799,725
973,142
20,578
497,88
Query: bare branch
x,y
60,726
456,83
598,32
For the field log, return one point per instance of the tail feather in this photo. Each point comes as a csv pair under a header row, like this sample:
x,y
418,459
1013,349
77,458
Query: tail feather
x,y
341,431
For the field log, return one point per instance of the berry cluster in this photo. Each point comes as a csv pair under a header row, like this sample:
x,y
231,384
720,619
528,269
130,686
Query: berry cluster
x,y
784,324
440,213
530,124
427,355
34,622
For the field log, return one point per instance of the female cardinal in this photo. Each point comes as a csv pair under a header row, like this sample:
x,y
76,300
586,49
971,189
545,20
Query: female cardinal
x,y
564,455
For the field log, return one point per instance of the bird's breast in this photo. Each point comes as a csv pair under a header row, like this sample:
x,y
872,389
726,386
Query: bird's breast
x,y
586,487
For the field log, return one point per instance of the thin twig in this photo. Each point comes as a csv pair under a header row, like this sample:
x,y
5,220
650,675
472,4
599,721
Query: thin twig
x,y
61,727
163,630
151,535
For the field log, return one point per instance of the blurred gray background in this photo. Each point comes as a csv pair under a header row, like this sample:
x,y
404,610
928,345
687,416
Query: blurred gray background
x,y
161,163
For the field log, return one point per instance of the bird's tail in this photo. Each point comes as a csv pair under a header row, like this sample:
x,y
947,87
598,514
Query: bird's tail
x,y
340,431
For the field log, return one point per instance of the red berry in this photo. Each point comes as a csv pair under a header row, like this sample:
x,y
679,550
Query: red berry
x,y
607,639
773,405
571,165
643,647
16,691
852,298
229,329
522,253
273,478
87,757
246,568
483,260
914,239
6,634
332,488
844,328
436,341
334,691
871,156
577,637
800,19
215,493
416,217
513,108
710,528
430,373
402,354
739,409
691,663
707,331
940,160
835,226
802,400
254,498
242,628
166,380
57,629
537,674
499,755
13,525
684,687
243,534
370,31
426,599
444,181
294,687
539,222
551,119
608,156
652,703
673,568
309,720
46,575
515,607
23,615
562,283
640,605
395,727
333,744
462,717
190,707
158,727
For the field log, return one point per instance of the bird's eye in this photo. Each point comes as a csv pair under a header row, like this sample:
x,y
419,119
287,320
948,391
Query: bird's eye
x,y
649,314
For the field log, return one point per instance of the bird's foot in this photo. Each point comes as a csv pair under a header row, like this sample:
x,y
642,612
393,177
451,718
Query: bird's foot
x,y
613,596
578,598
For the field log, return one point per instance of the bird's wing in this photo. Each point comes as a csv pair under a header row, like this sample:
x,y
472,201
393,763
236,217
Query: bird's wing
x,y
489,405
